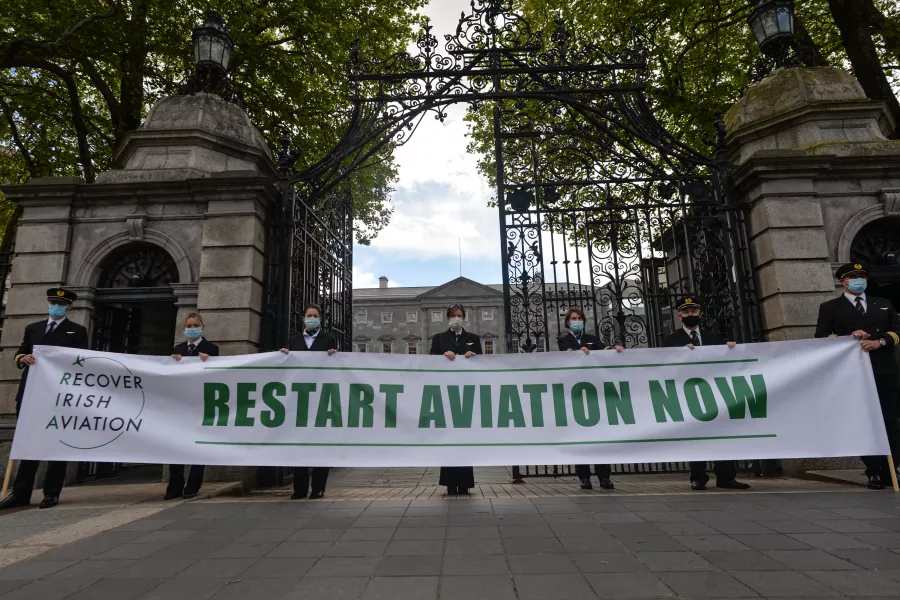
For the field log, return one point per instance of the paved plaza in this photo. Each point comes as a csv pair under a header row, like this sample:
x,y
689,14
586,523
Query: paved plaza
x,y
810,540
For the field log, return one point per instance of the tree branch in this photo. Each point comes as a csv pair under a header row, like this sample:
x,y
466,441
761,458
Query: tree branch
x,y
112,103
17,140
49,48
84,150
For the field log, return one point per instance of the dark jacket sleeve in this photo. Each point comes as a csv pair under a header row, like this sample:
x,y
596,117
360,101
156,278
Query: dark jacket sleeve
x,y
82,341
27,346
562,342
476,347
212,349
436,344
892,335
296,342
823,322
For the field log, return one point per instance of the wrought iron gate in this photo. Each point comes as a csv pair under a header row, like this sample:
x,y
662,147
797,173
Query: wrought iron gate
x,y
599,205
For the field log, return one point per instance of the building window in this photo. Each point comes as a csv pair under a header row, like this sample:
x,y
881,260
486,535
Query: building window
x,y
488,346
387,317
387,348
515,346
412,317
487,315
436,316
362,317
362,347
412,348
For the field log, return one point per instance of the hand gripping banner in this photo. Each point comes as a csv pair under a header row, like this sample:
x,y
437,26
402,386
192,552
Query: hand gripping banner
x,y
806,398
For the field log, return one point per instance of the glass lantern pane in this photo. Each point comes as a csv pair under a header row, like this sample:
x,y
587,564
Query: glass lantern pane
x,y
217,48
204,49
785,23
226,56
758,32
769,23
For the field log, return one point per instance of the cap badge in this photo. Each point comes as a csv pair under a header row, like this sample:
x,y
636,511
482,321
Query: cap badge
x,y
688,300
857,266
60,293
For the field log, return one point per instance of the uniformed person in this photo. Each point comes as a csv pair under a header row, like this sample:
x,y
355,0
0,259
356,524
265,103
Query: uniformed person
x,y
874,322
576,339
313,338
193,345
56,330
690,336
452,343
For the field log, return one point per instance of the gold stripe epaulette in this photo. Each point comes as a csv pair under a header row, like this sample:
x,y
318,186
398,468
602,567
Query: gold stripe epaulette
x,y
833,335
894,337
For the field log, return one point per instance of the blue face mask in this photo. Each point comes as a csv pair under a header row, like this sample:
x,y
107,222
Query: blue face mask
x,y
56,311
192,333
857,285
312,323
576,326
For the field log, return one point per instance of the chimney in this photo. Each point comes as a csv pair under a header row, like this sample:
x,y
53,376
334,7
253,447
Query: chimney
x,y
382,282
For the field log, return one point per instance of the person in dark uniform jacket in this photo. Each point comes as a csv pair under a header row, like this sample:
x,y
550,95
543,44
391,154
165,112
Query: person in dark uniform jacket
x,y
690,336
577,339
874,322
194,345
57,330
451,343
311,339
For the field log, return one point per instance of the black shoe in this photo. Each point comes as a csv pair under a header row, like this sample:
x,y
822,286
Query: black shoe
x,y
189,495
586,483
13,501
49,502
607,484
316,495
462,491
698,486
451,491
298,495
733,484
172,495
875,482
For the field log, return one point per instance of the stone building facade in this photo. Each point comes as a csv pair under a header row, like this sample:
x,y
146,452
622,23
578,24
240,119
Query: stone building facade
x,y
177,226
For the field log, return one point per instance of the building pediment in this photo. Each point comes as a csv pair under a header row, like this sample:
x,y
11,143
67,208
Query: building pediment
x,y
386,338
460,289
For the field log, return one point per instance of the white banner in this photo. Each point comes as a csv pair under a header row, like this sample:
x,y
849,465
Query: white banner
x,y
808,398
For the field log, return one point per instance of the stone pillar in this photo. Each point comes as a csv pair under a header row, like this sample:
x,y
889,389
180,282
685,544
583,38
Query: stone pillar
x,y
811,150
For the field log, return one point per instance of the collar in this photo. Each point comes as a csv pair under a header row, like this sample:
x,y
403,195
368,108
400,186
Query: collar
x,y
460,332
57,321
195,342
688,331
852,298
307,334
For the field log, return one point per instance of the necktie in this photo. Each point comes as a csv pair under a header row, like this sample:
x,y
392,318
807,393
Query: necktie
x,y
190,348
51,327
695,339
859,306
457,339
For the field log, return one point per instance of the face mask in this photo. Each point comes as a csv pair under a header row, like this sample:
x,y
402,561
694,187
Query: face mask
x,y
691,320
857,286
576,326
312,322
56,311
192,333
456,322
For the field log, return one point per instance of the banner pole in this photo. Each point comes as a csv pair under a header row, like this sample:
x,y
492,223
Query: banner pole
x,y
893,472
6,476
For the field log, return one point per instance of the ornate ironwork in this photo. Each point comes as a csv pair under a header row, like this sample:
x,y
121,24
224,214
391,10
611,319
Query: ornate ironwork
x,y
139,266
599,204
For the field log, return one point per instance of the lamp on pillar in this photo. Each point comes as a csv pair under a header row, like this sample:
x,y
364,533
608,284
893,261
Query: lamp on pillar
x,y
772,24
213,48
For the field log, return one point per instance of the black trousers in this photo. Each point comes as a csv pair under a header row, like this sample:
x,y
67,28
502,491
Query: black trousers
x,y
725,470
53,482
301,479
176,479
889,397
457,479
601,471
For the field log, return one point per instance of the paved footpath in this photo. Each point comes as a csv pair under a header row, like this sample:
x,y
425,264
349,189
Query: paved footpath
x,y
842,543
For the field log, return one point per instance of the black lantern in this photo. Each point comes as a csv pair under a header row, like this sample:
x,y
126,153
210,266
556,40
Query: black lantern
x,y
772,23
212,48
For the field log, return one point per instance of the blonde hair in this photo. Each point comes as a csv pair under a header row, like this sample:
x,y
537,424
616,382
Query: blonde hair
x,y
194,316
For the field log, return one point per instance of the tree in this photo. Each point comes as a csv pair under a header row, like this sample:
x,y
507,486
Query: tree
x,y
76,76
701,55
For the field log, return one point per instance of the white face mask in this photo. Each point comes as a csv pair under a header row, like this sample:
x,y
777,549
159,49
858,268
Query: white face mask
x,y
456,322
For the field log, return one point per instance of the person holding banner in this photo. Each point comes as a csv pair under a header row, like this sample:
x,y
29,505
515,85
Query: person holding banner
x,y
451,343
577,339
690,311
311,339
874,322
56,330
194,345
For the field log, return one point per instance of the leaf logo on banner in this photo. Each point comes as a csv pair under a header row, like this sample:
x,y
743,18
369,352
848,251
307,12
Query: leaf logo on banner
x,y
97,403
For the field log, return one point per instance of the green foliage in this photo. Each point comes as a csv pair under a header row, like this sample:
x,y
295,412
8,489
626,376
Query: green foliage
x,y
76,76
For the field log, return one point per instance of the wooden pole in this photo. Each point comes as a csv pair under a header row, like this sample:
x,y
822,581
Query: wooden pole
x,y
8,474
893,473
